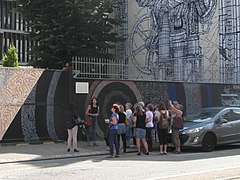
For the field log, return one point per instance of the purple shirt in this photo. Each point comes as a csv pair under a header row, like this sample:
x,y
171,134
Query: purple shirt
x,y
113,126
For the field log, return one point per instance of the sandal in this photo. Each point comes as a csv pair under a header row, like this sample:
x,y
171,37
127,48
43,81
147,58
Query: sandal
x,y
176,152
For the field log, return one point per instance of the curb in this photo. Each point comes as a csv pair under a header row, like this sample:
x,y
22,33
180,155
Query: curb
x,y
63,156
30,143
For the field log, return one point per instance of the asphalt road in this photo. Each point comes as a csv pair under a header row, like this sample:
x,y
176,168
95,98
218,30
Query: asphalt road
x,y
223,163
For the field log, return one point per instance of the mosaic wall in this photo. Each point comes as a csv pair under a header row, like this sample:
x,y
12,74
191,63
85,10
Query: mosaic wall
x,y
15,86
34,102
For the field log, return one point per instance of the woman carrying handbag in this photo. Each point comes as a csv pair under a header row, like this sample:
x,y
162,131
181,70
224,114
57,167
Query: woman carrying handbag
x,y
177,110
92,113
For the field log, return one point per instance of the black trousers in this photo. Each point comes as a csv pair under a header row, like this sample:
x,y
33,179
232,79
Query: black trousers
x,y
149,137
162,136
123,137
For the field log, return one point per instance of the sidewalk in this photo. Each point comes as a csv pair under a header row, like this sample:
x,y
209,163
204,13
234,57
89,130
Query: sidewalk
x,y
49,150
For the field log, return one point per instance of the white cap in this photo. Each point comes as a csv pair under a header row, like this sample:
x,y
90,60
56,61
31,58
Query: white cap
x,y
141,103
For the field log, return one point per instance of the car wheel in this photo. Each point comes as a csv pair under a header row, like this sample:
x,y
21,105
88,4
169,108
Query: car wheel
x,y
209,142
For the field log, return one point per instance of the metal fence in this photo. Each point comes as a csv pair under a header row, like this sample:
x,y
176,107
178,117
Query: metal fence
x,y
103,68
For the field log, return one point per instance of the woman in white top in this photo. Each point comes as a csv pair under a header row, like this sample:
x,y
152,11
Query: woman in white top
x,y
129,126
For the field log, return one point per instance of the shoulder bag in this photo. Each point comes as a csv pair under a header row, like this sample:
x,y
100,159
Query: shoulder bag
x,y
178,122
88,121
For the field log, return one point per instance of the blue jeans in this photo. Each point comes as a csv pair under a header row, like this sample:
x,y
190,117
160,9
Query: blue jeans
x,y
128,133
91,130
113,140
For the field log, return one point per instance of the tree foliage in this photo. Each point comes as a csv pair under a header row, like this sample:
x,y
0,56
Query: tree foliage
x,y
10,58
67,28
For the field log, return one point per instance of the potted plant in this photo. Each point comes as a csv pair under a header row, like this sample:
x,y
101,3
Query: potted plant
x,y
10,59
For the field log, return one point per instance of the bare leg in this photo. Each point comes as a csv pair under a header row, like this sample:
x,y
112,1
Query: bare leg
x,y
161,148
70,136
178,149
165,148
75,132
138,145
145,145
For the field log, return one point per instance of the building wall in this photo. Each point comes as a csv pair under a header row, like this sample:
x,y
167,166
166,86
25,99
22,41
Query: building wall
x,y
198,42
174,40
14,30
229,41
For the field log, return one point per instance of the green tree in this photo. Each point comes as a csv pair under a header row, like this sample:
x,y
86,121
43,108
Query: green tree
x,y
67,28
10,59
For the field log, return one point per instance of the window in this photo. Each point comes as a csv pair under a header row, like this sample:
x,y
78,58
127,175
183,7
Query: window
x,y
235,114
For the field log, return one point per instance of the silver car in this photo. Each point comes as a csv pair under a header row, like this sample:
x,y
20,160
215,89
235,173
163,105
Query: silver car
x,y
210,127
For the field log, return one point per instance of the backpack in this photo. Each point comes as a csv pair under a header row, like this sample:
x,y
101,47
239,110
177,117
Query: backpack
x,y
163,122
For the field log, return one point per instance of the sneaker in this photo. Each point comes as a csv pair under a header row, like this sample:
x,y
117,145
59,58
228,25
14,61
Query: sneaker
x,y
68,150
76,150
165,153
139,154
161,153
147,153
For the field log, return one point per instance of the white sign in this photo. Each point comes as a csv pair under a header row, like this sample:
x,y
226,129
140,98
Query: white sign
x,y
81,87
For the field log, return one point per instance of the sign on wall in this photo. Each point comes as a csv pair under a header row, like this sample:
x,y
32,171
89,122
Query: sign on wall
x,y
82,87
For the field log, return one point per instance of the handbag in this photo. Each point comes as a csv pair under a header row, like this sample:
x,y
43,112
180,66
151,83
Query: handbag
x,y
88,121
77,120
178,122
127,122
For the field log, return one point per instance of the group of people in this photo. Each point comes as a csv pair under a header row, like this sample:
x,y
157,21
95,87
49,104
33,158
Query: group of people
x,y
141,123
132,125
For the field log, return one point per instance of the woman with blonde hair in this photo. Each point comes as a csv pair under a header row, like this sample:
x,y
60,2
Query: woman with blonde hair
x,y
122,127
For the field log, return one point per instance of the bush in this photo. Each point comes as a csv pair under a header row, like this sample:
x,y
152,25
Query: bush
x,y
10,59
